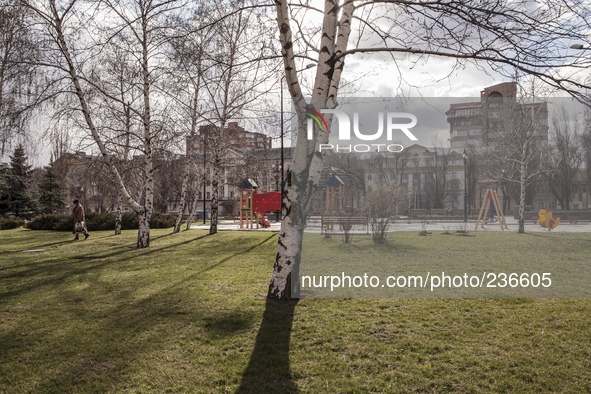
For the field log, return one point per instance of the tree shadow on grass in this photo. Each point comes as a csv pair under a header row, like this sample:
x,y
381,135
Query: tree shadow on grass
x,y
250,249
268,370
60,270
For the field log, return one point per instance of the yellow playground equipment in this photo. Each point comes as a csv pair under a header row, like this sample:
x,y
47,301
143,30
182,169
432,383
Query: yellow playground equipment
x,y
546,220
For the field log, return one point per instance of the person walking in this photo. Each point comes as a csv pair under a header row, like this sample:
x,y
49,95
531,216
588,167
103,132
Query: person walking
x,y
79,221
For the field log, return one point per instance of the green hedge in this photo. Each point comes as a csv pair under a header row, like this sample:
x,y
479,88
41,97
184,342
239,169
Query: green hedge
x,y
10,223
97,222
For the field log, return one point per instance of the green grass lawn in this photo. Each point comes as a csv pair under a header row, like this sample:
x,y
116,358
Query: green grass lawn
x,y
189,315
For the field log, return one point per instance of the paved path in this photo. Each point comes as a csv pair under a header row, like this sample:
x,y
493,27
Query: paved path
x,y
431,225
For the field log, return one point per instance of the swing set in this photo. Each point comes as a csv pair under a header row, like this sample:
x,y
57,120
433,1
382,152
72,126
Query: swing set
x,y
491,201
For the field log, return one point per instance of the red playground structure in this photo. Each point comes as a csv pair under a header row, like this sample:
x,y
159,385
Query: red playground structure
x,y
253,204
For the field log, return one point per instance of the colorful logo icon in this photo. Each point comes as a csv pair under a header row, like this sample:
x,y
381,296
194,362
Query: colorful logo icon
x,y
317,117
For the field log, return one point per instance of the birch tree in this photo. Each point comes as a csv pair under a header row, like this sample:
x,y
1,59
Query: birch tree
x,y
236,79
118,119
139,26
186,79
529,37
519,143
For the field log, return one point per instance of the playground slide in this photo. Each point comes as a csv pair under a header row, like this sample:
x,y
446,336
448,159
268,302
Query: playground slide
x,y
265,202
263,222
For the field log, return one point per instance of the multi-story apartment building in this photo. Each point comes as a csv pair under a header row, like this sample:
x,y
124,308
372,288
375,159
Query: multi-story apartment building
x,y
490,122
482,123
475,127
233,136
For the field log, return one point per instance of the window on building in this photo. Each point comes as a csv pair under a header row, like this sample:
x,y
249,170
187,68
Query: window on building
x,y
369,177
475,132
231,194
541,205
552,205
464,122
207,196
468,112
199,197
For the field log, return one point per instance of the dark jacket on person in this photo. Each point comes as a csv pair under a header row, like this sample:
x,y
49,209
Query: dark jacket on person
x,y
78,213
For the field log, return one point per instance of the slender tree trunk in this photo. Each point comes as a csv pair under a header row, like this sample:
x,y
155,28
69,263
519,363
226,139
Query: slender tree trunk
x,y
143,235
119,214
283,271
189,156
306,165
522,199
57,24
146,212
179,218
213,229
191,214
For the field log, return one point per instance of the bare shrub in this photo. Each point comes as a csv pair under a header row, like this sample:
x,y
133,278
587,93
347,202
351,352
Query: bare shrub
x,y
380,206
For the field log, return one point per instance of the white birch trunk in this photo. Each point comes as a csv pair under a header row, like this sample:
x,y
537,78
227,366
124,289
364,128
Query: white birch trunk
x,y
145,214
307,163
280,286
189,159
146,210
213,228
177,223
522,182
143,235
191,213
119,214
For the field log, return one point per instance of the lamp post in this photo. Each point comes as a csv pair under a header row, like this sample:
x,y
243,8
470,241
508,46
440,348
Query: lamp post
x,y
275,175
310,65
204,183
465,156
414,179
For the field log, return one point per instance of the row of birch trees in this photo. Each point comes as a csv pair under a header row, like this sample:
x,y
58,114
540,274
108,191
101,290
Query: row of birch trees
x,y
140,74
138,77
